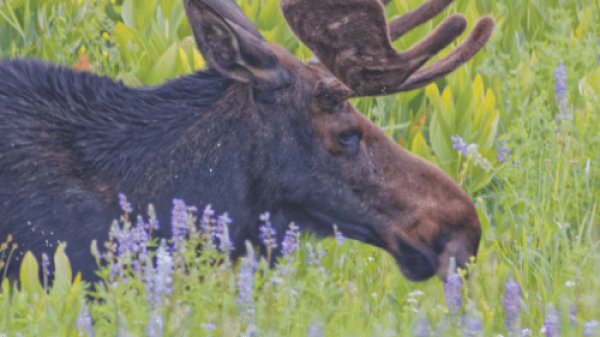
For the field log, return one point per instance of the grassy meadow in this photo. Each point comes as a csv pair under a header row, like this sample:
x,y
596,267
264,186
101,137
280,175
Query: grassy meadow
x,y
518,127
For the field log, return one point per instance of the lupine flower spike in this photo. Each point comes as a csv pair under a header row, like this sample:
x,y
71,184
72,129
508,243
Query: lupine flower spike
x,y
452,287
503,152
590,328
84,320
245,284
290,241
268,234
421,326
339,237
512,305
560,74
551,326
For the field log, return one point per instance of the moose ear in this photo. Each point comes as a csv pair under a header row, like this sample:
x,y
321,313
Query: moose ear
x,y
232,45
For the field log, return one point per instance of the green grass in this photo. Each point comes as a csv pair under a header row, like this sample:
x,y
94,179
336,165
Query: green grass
x,y
539,210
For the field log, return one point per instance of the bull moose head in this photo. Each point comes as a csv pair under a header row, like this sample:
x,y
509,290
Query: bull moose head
x,y
259,131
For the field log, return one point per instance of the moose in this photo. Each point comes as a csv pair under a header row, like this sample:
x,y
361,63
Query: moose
x,y
259,130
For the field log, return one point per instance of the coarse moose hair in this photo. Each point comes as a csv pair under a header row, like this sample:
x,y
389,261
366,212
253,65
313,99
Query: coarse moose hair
x,y
257,131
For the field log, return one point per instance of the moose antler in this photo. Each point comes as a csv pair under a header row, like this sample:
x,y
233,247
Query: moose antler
x,y
353,40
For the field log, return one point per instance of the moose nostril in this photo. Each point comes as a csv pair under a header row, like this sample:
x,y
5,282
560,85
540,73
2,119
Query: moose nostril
x,y
440,242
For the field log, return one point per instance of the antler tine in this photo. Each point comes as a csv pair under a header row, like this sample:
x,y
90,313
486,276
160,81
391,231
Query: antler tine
x,y
416,17
457,57
352,40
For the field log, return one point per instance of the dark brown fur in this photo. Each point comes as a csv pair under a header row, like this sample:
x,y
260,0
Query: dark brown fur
x,y
260,131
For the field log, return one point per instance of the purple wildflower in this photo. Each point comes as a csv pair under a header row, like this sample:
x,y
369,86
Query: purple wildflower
x,y
267,232
46,264
126,241
179,220
84,320
560,74
155,324
561,92
473,326
315,329
590,328
572,315
222,230
339,237
421,326
452,287
158,281
125,205
207,224
512,304
245,283
552,322
290,241
503,152
459,144
209,326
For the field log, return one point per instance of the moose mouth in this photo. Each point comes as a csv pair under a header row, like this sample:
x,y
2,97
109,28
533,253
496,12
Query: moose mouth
x,y
416,264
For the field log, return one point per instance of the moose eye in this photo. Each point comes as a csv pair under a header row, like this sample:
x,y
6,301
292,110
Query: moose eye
x,y
350,140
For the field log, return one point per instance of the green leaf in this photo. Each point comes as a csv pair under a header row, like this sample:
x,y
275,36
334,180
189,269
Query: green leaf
x,y
29,275
63,274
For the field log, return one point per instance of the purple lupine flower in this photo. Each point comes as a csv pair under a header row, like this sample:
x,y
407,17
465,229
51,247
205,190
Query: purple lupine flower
x,y
158,281
84,320
512,304
452,287
290,241
590,328
179,220
207,224
421,326
267,232
222,232
141,237
503,152
155,324
473,326
572,315
552,322
125,205
561,92
126,241
46,264
245,283
209,326
459,144
315,329
560,74
339,237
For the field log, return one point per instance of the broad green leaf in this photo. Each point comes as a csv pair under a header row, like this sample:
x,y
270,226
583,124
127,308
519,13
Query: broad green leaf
x,y
164,67
446,103
478,91
29,275
63,274
419,147
269,16
433,93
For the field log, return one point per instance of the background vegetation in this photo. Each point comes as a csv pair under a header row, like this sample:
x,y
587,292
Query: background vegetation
x,y
539,206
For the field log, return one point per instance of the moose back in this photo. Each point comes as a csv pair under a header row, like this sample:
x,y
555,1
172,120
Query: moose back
x,y
258,131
